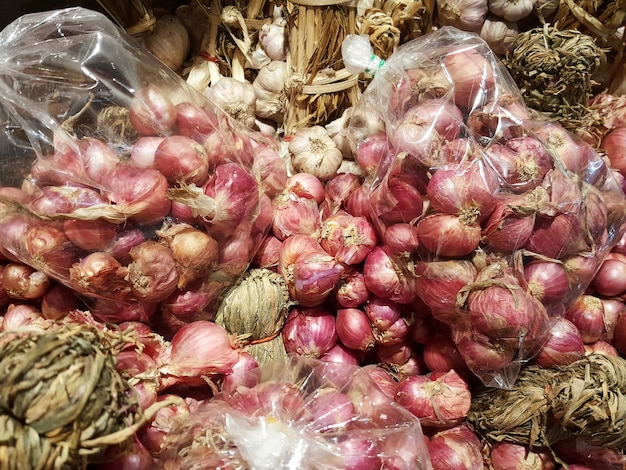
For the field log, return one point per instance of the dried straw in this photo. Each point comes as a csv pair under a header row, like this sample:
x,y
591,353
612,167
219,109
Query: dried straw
x,y
585,399
62,401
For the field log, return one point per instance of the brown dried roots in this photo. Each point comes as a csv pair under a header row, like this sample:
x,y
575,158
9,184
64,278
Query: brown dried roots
x,y
586,399
62,402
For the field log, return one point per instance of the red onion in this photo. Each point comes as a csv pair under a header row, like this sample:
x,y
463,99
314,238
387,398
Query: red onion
x,y
312,277
438,399
386,277
567,148
152,112
234,195
135,457
140,192
401,239
351,291
194,251
109,310
182,160
438,284
358,453
306,185
340,354
564,344
194,121
49,249
54,200
58,302
90,235
134,365
12,230
448,235
327,410
189,303
268,254
510,225
556,236
338,190
24,282
395,354
576,451
383,313
153,271
457,448
358,202
484,355
349,239
396,200
309,331
20,315
441,355
372,151
613,145
394,333
279,399
383,380
354,329
581,269
295,215
226,146
197,349
268,167
143,150
124,242
509,456
240,374
547,281
613,309
506,311
610,279
235,254
587,313
601,347
471,72
502,117
466,189
153,434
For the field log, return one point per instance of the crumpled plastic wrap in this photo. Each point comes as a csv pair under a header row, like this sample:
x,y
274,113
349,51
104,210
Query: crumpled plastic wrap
x,y
490,186
298,413
67,146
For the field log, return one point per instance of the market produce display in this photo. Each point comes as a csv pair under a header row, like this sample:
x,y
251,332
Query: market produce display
x,y
314,235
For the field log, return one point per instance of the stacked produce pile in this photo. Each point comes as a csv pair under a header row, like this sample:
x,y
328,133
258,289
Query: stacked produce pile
x,y
396,263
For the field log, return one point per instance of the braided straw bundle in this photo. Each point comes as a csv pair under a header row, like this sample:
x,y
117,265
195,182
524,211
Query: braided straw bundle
x,y
585,399
62,402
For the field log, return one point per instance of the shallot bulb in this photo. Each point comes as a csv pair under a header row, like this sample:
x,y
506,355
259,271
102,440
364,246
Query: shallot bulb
x,y
387,277
563,345
438,399
182,160
467,189
396,200
294,214
547,281
309,331
152,112
153,273
351,290
587,313
447,235
348,238
510,225
197,349
456,448
472,74
508,456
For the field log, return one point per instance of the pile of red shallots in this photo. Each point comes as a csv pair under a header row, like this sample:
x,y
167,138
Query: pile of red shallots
x,y
469,248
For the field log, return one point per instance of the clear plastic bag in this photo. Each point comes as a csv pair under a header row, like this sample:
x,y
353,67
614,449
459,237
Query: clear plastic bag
x,y
110,161
491,188
299,413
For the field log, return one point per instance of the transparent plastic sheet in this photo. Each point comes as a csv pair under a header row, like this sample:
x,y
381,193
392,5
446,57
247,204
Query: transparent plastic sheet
x,y
490,186
78,168
299,413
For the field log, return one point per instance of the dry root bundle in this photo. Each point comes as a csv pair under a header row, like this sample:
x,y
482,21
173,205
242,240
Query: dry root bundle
x,y
62,402
585,399
554,70
255,309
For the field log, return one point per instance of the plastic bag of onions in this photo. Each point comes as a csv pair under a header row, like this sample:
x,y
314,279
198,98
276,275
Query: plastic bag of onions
x,y
120,180
511,214
299,412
